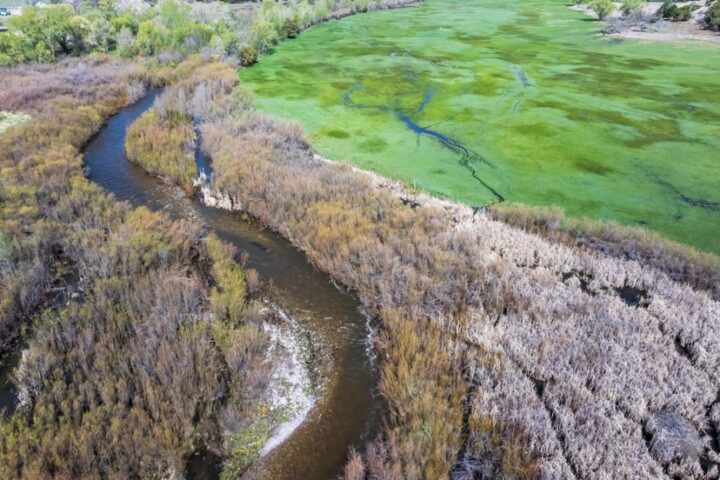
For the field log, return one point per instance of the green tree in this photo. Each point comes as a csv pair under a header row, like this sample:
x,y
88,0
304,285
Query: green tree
x,y
182,31
44,31
149,38
126,43
602,8
670,11
13,50
175,14
125,20
263,36
632,6
65,31
99,36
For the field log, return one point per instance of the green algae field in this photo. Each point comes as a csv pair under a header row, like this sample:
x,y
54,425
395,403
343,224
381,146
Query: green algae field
x,y
515,100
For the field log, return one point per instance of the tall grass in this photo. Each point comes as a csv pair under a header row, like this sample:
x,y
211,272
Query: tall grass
x,y
144,347
681,262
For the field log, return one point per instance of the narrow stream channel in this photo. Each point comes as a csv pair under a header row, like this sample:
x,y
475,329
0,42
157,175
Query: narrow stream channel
x,y
348,409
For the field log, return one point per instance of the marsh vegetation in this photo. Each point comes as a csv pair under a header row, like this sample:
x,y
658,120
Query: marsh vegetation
x,y
503,350
145,345
513,342
551,111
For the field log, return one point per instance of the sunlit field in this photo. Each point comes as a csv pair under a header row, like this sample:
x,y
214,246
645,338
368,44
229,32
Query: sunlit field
x,y
523,101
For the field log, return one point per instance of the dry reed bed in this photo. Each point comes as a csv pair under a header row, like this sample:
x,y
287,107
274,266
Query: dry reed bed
x,y
505,353
682,263
144,347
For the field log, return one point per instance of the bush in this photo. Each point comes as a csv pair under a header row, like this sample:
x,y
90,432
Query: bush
x,y
290,28
263,36
602,8
165,148
712,16
228,295
247,55
630,7
6,253
670,11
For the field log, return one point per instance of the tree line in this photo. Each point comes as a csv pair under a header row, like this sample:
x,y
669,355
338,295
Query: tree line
x,y
167,30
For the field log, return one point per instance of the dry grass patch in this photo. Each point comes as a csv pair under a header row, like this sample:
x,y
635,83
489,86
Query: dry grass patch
x,y
681,262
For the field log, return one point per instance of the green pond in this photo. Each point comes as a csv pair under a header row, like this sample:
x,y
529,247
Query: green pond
x,y
521,100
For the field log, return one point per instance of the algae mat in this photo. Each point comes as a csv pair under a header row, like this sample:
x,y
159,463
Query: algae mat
x,y
521,100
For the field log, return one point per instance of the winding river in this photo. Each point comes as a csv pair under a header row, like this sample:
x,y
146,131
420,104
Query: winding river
x,y
348,408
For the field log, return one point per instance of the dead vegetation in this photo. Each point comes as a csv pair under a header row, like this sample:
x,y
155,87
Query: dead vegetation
x,y
504,353
680,262
143,346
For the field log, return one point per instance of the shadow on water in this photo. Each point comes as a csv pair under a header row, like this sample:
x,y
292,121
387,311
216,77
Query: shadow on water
x,y
203,465
8,392
348,408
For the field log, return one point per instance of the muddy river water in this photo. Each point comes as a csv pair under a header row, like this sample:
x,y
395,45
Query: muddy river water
x,y
348,408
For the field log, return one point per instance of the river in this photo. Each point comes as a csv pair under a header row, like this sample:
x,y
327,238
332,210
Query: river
x,y
348,407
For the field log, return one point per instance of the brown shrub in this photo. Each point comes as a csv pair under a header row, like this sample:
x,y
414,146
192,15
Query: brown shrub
x,y
165,148
127,371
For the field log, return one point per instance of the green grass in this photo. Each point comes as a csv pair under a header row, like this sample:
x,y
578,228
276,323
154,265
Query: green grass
x,y
606,128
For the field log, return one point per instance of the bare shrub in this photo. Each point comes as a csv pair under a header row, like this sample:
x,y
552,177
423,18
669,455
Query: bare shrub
x,y
681,262
135,91
638,21
127,369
